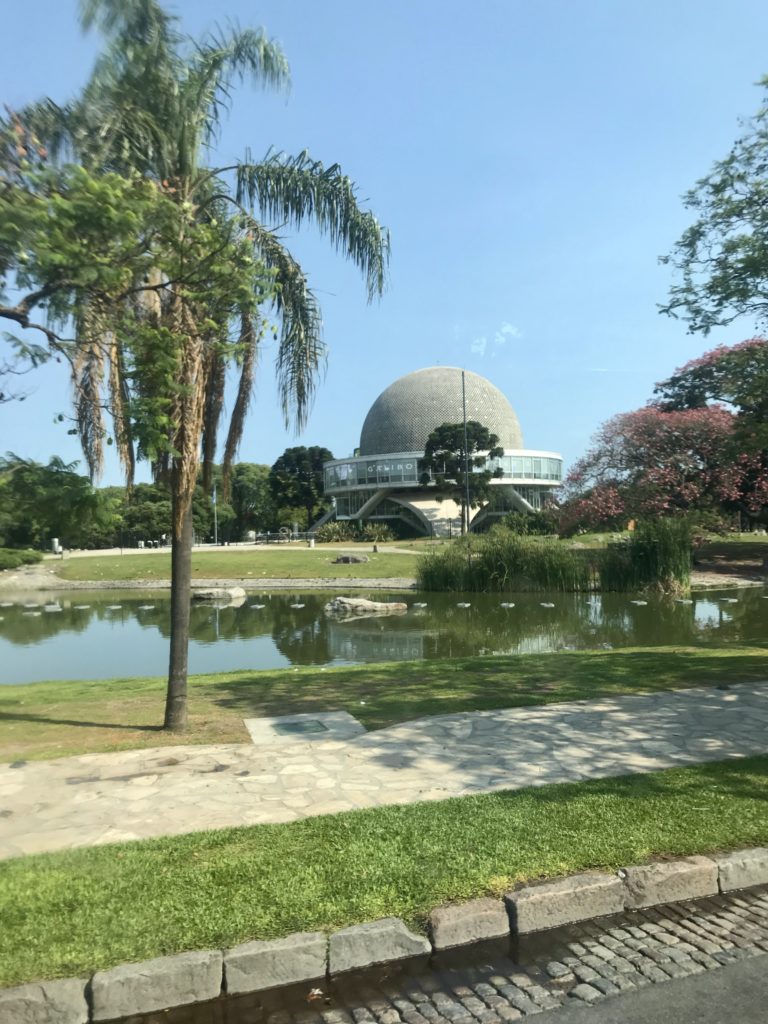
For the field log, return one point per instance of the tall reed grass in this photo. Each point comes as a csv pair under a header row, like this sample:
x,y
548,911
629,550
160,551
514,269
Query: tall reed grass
x,y
501,561
657,557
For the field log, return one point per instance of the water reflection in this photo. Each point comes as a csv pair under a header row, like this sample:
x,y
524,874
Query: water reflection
x,y
95,635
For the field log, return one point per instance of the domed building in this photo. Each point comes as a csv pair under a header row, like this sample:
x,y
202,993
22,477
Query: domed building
x,y
382,481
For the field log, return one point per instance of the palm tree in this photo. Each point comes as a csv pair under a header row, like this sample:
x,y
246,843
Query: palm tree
x,y
152,108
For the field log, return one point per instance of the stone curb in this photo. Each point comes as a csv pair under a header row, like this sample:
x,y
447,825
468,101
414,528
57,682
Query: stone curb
x,y
670,882
186,978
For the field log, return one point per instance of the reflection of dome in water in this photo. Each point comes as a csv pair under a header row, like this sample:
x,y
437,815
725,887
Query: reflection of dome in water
x,y
405,414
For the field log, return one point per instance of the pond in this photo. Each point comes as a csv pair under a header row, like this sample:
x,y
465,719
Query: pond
x,y
94,635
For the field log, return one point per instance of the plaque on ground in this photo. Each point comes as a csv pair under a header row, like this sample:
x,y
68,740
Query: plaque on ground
x,y
305,728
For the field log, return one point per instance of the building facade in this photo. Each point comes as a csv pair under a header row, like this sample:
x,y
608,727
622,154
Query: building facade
x,y
382,480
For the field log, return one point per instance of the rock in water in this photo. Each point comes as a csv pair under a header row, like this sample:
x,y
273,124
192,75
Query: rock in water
x,y
359,607
231,595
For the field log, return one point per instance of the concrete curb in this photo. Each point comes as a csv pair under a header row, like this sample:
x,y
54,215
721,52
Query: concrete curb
x,y
185,978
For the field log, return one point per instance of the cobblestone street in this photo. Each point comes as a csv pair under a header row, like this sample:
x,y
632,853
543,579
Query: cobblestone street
x,y
484,985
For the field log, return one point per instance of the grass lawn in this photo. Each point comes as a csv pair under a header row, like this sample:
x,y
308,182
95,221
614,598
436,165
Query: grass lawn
x,y
280,562
44,720
68,913
293,562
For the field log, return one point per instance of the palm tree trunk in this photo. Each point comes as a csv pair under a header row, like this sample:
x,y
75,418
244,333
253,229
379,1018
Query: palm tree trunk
x,y
181,586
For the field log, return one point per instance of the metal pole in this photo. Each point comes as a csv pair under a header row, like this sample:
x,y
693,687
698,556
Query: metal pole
x,y
466,449
215,531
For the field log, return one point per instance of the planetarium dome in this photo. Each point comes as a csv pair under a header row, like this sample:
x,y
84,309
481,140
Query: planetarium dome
x,y
405,414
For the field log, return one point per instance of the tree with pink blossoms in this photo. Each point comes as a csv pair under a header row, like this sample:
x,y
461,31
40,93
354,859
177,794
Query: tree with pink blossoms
x,y
737,377
659,462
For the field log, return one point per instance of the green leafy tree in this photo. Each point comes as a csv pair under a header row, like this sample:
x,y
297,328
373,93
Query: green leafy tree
x,y
457,468
722,258
251,498
296,482
38,503
160,344
147,513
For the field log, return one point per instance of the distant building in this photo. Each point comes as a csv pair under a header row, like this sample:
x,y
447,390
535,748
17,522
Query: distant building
x,y
381,481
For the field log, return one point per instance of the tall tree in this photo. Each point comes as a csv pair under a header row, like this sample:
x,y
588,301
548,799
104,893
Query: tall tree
x,y
150,111
38,503
456,468
652,462
722,258
737,377
296,480
251,498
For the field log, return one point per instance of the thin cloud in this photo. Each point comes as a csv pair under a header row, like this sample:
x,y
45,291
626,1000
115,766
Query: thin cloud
x,y
502,336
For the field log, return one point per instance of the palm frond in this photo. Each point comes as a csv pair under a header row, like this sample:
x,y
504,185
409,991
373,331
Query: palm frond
x,y
51,125
248,349
139,21
87,380
215,380
301,351
297,189
119,396
186,415
228,57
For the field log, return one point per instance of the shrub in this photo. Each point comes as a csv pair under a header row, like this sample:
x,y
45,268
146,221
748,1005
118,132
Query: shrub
x,y
330,532
531,524
337,531
12,558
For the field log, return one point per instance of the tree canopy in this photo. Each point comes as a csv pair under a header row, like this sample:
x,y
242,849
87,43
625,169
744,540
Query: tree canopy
x,y
736,376
722,259
455,468
652,463
41,502
296,481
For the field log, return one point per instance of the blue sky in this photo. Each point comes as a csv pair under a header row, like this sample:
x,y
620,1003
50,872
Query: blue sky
x,y
528,158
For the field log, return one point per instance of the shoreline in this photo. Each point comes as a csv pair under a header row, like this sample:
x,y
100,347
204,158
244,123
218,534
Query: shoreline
x,y
39,578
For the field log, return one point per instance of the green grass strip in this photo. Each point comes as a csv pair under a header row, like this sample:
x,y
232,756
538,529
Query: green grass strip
x,y
45,720
68,913
250,564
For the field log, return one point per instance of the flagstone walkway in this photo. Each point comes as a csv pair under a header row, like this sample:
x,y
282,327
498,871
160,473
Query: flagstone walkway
x,y
102,798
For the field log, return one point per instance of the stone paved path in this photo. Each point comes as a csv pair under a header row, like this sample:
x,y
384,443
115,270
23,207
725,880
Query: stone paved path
x,y
486,985
101,798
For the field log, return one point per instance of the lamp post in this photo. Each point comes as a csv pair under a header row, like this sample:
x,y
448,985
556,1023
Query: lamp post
x,y
215,521
466,451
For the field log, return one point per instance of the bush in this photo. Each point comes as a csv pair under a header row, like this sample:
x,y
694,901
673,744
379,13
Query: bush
x,y
531,524
658,556
340,530
12,558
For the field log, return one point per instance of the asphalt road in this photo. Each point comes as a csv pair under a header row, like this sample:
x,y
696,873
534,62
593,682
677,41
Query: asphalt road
x,y
734,994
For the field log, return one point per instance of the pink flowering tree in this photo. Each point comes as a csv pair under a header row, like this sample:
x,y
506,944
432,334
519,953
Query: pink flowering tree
x,y
657,462
736,376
